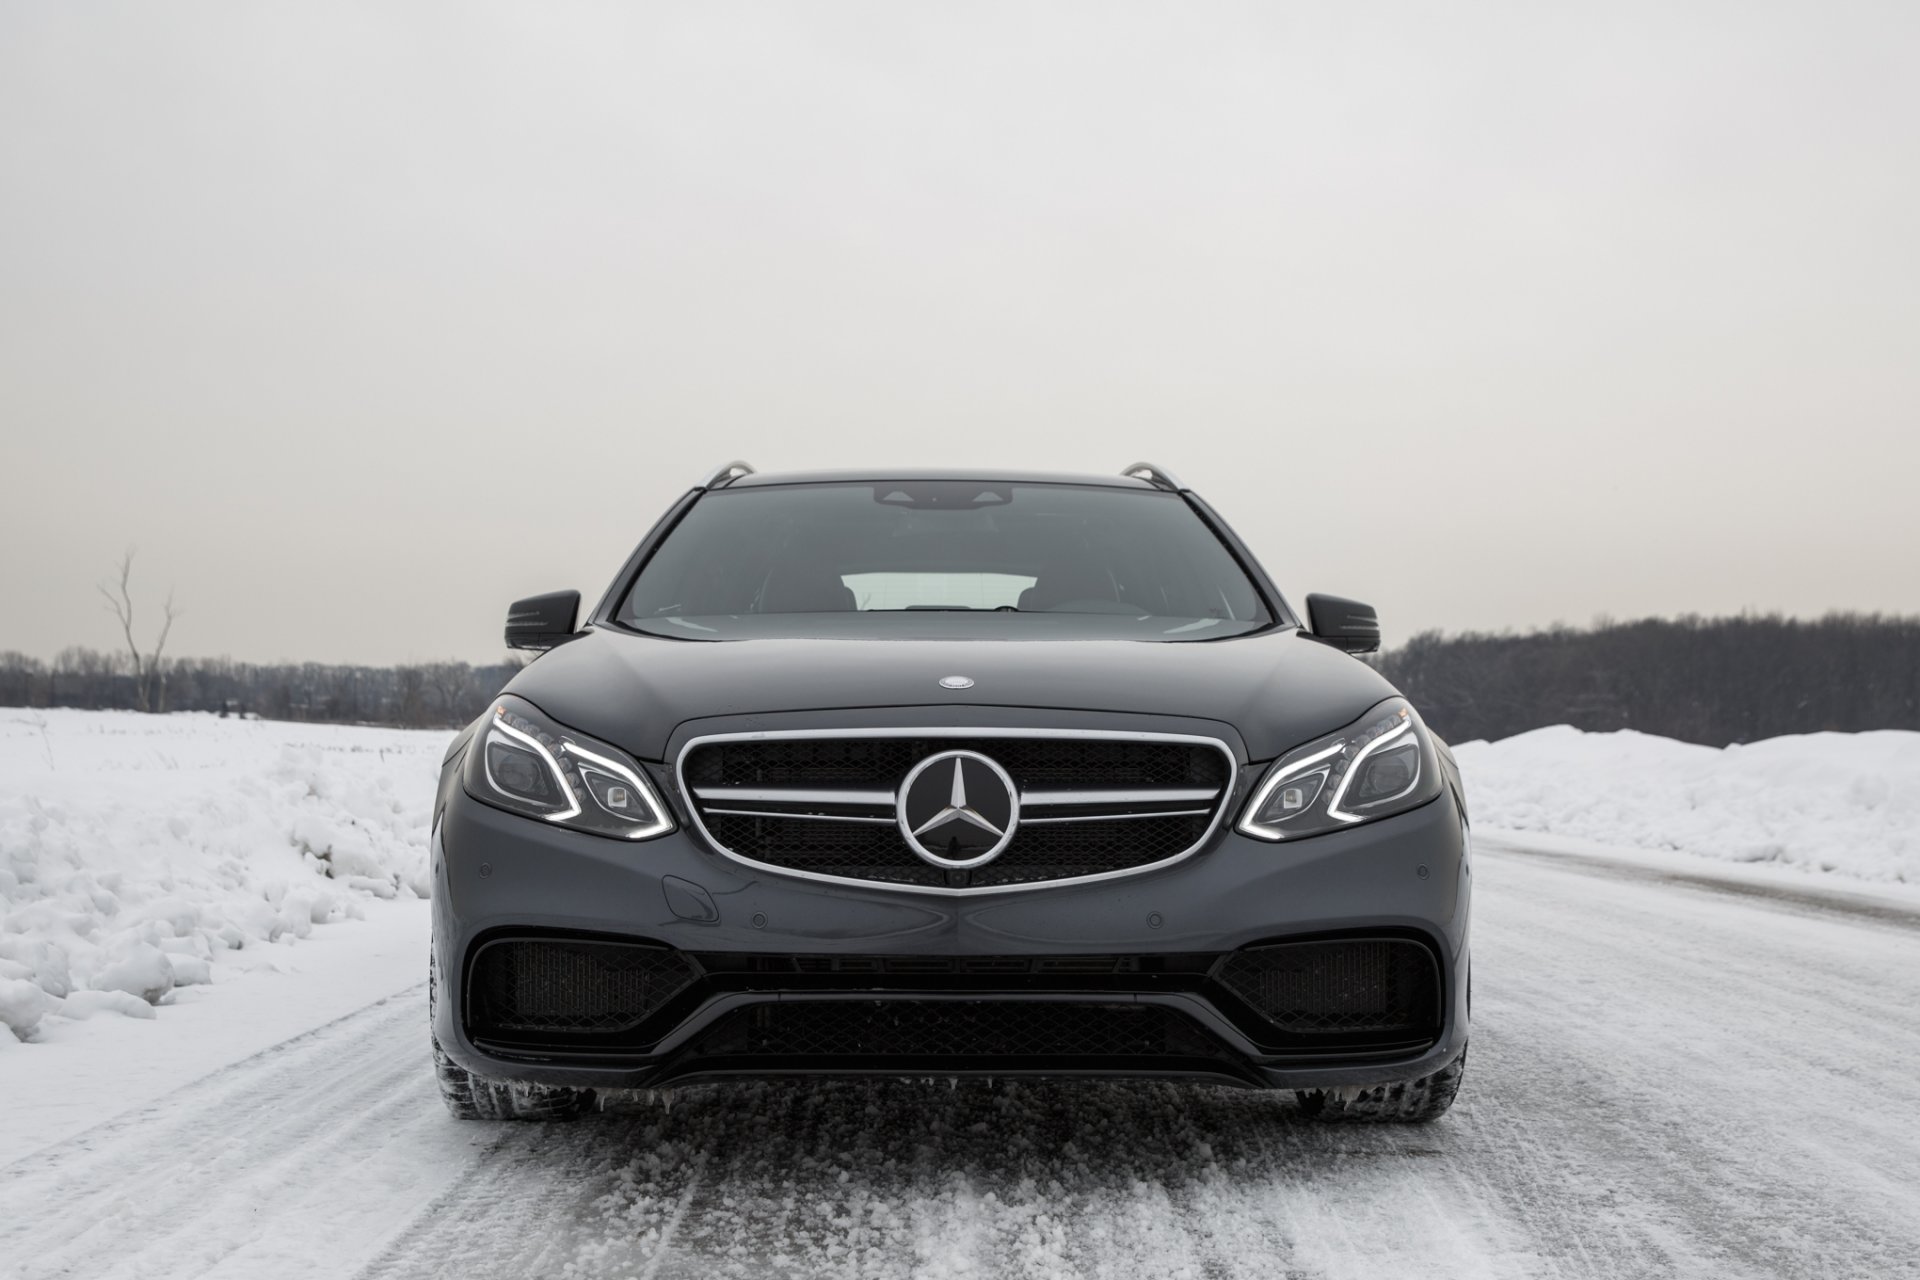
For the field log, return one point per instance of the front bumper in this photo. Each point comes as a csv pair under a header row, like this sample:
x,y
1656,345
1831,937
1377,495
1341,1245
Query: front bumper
x,y
499,875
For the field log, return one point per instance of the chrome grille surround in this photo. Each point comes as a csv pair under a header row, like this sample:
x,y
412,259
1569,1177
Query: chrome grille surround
x,y
874,808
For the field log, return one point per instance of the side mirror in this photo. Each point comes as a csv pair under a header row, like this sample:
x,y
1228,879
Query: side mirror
x,y
1347,625
542,622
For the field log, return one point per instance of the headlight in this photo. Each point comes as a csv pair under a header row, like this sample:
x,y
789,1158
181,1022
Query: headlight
x,y
1382,764
522,761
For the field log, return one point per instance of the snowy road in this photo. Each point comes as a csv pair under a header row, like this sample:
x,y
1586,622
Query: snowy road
x,y
1669,1078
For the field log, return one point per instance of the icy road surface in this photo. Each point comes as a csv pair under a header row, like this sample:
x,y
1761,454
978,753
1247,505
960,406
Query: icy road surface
x,y
1670,1078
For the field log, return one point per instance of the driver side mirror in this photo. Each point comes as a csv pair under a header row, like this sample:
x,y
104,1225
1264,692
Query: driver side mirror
x,y
542,622
1347,625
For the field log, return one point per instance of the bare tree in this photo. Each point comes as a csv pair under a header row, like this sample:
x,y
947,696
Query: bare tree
x,y
149,678
450,682
410,700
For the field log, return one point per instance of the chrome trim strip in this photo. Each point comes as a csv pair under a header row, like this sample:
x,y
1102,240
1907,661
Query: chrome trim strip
x,y
887,822
796,795
823,795
1115,817
967,731
1144,795
804,817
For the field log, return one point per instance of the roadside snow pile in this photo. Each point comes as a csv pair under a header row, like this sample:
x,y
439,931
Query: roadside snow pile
x,y
143,853
1840,802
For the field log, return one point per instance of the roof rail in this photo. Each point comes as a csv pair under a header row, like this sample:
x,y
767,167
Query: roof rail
x,y
1158,477
721,477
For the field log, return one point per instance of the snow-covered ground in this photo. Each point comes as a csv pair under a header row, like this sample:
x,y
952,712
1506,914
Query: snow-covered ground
x,y
1668,1082
1680,1068
1831,802
146,858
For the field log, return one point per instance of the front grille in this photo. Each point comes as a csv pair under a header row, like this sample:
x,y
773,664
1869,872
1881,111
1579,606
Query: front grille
x,y
547,986
1384,986
955,1032
1088,805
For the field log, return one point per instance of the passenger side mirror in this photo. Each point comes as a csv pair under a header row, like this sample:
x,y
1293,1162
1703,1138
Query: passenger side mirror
x,y
1347,625
542,622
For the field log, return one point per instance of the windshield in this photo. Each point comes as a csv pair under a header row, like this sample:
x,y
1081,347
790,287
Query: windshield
x,y
943,558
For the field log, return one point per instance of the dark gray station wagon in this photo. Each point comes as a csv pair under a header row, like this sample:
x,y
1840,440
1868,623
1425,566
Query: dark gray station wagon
x,y
948,773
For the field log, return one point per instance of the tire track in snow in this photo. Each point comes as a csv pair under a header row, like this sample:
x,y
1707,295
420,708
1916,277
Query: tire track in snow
x,y
1683,1086
136,1183
105,1133
1572,1221
525,1209
1183,1215
695,1184
889,1178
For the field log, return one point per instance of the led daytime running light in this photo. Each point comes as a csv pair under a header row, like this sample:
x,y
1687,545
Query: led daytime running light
x,y
1391,736
1306,764
636,784
539,748
602,791
1339,774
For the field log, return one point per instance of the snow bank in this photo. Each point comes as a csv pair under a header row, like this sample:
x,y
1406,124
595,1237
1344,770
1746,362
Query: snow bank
x,y
1841,802
139,854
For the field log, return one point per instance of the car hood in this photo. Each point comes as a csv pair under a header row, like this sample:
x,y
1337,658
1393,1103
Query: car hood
x,y
1277,689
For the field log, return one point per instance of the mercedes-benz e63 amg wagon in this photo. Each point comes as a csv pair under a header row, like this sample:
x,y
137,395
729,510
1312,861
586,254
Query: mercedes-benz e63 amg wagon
x,y
948,773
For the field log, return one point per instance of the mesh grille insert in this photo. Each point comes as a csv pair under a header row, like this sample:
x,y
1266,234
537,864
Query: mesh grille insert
x,y
957,1030
855,850
575,987
1057,851
1356,986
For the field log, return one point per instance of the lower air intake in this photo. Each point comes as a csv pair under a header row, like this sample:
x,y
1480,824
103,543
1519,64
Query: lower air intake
x,y
1353,987
523,986
954,1032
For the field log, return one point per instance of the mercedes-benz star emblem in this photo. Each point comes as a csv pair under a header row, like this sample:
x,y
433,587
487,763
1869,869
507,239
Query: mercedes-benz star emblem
x,y
956,682
958,809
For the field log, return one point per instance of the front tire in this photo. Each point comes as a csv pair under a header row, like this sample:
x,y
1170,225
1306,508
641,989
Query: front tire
x,y
1418,1101
472,1097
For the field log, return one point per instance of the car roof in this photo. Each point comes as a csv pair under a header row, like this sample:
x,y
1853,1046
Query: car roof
x,y
983,475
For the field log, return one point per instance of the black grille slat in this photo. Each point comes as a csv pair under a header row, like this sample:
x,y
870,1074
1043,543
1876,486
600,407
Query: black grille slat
x,y
1377,985
529,985
773,965
1039,852
955,1032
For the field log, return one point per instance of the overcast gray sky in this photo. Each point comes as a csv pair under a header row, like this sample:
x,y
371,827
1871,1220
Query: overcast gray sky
x,y
361,320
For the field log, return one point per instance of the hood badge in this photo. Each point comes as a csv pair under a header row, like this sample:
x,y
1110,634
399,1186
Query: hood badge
x,y
958,809
956,682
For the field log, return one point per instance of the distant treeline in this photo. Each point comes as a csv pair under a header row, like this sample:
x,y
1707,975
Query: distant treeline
x,y
1713,681
418,696
1708,680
